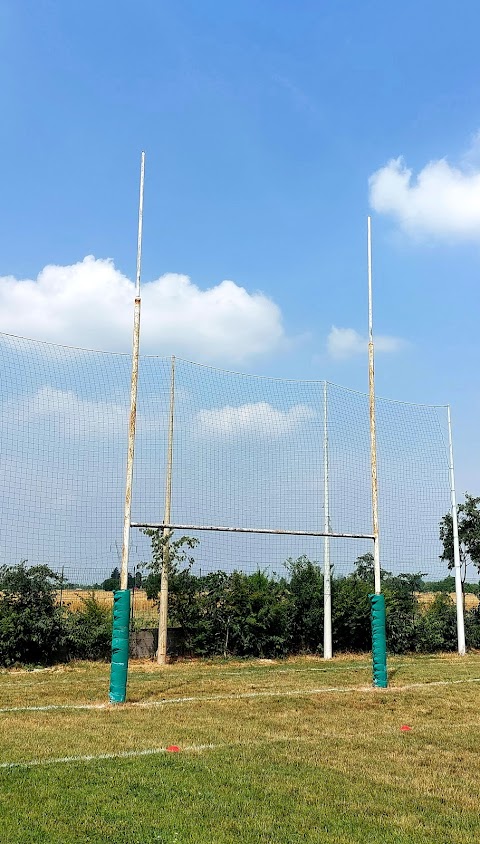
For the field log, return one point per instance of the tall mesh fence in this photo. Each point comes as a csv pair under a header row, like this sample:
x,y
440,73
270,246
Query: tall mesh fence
x,y
248,452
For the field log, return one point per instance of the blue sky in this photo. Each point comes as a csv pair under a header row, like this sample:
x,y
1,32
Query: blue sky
x,y
263,123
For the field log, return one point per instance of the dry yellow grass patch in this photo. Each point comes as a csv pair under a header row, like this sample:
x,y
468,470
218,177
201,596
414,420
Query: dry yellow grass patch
x,y
427,598
74,599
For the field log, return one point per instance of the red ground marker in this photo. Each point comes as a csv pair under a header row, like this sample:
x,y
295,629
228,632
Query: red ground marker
x,y
405,728
174,749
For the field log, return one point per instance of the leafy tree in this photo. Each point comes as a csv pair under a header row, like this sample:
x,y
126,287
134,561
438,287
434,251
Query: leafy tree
x,y
448,585
31,623
468,535
413,583
306,589
402,610
220,614
260,614
472,628
364,569
202,607
178,558
244,615
351,626
112,583
445,585
437,627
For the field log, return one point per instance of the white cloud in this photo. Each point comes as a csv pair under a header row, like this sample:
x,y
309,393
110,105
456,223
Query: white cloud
x,y
73,416
90,304
343,343
259,418
443,200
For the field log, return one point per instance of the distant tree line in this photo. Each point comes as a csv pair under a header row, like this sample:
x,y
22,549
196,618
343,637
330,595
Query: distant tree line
x,y
112,583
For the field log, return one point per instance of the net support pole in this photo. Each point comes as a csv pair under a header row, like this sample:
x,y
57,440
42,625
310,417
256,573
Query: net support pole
x,y
327,579
456,546
121,601
378,618
163,609
373,432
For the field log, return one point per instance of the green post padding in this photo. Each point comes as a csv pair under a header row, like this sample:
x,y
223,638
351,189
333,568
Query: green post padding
x,y
379,641
120,637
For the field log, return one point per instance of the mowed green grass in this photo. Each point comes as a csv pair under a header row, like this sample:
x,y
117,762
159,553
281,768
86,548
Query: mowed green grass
x,y
291,751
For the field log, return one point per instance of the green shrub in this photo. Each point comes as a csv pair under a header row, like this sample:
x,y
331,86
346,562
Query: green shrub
x,y
32,630
260,615
220,614
437,626
306,589
402,611
351,627
200,606
89,630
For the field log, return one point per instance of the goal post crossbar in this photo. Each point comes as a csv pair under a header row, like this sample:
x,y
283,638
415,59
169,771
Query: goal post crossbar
x,y
271,531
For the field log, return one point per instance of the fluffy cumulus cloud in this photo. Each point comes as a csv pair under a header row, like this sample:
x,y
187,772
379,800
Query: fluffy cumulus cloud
x,y
441,201
57,414
89,304
259,418
343,343
66,413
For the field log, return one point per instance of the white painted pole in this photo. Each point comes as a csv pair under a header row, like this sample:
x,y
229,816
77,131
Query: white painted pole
x,y
456,547
327,579
133,393
373,433
163,612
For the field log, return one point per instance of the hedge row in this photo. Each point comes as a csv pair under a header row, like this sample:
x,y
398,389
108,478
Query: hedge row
x,y
230,614
266,616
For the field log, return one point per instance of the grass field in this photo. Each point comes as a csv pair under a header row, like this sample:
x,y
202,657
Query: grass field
x,y
293,751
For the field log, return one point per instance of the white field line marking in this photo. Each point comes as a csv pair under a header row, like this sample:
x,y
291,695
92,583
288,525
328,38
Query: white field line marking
x,y
149,704
157,751
154,751
125,754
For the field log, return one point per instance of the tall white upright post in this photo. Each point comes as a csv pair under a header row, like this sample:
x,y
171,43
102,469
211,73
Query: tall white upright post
x,y
373,434
456,546
327,578
133,393
163,611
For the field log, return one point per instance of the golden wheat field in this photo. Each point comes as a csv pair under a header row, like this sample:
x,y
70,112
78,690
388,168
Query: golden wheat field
x,y
74,599
146,609
426,598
